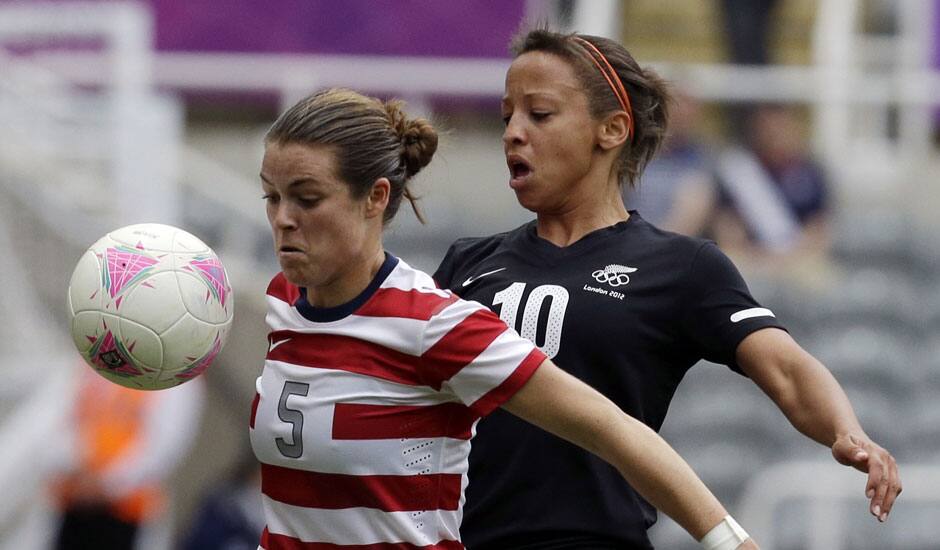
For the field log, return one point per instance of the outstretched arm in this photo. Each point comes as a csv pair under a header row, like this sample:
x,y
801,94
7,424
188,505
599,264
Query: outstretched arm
x,y
816,405
560,403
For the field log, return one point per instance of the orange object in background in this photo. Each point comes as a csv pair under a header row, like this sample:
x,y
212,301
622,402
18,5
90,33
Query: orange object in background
x,y
110,423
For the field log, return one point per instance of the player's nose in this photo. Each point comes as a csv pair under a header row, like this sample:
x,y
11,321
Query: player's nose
x,y
284,217
514,133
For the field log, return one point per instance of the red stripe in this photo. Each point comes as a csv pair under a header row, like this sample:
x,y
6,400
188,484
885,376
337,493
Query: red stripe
x,y
455,350
500,394
352,421
331,351
459,347
254,409
408,304
280,288
388,493
271,541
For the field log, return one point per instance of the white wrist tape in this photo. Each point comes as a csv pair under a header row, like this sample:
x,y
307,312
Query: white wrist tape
x,y
727,535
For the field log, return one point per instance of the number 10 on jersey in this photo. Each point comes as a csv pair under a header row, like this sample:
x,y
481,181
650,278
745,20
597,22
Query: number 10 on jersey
x,y
510,298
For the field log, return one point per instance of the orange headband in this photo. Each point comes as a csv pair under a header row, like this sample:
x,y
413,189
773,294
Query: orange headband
x,y
613,79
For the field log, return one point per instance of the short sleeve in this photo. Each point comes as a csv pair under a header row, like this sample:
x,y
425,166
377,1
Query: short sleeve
x,y
720,311
472,354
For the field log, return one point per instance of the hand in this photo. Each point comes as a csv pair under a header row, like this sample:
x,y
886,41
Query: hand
x,y
749,544
884,482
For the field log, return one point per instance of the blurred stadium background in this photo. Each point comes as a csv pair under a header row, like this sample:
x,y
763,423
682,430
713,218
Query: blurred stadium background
x,y
114,113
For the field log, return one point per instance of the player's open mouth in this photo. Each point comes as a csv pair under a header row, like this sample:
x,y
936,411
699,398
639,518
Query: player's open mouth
x,y
519,170
289,250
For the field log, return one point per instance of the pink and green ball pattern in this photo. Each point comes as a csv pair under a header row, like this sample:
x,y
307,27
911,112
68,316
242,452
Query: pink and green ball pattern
x,y
125,266
108,353
212,272
201,364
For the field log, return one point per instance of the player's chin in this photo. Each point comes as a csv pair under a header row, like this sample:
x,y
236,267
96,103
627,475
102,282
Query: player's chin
x,y
296,273
528,200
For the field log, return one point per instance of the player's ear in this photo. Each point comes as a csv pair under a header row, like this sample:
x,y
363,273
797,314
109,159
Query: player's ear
x,y
613,130
377,200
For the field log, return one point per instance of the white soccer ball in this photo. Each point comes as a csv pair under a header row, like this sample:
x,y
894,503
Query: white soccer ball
x,y
150,306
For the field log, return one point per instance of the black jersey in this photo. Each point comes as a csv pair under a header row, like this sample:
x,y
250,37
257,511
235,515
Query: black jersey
x,y
628,309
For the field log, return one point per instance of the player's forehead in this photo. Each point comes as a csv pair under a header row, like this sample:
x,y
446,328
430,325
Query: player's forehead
x,y
541,75
292,164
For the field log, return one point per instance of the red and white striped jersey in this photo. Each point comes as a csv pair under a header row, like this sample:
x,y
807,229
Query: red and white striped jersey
x,y
364,413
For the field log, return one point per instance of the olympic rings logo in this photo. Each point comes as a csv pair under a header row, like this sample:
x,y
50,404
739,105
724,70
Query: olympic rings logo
x,y
613,279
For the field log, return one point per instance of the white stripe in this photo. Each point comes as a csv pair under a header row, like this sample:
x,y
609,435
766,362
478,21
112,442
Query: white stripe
x,y
445,321
396,333
750,313
759,201
359,525
282,315
455,455
355,457
491,368
405,277
352,387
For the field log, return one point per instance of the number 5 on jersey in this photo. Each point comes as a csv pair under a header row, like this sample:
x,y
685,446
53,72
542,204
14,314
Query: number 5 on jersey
x,y
294,449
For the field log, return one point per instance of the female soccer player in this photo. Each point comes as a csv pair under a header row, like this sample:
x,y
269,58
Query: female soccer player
x,y
375,380
614,301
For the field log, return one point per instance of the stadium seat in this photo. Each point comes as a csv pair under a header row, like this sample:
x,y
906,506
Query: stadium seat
x,y
922,433
866,351
931,305
890,298
713,402
881,237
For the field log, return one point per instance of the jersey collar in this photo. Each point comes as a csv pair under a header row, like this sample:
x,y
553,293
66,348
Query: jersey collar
x,y
550,251
335,313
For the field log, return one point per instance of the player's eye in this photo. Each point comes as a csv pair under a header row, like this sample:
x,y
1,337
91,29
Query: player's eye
x,y
506,119
539,116
308,202
269,197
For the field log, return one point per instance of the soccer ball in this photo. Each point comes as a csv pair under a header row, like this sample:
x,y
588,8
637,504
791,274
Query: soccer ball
x,y
150,306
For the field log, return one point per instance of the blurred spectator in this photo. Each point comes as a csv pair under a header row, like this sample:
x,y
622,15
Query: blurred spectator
x,y
677,191
748,25
122,446
774,197
230,517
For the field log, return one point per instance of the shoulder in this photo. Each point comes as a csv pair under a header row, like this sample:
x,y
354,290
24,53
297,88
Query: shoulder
x,y
469,248
409,293
470,251
406,277
711,269
708,255
693,260
282,289
668,242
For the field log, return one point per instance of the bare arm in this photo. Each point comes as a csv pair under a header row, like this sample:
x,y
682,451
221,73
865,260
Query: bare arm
x,y
563,405
816,405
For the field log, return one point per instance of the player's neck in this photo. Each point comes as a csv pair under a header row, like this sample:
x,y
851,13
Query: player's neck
x,y
567,226
349,284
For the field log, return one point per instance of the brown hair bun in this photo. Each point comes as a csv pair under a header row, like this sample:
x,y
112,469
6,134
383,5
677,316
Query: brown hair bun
x,y
418,138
